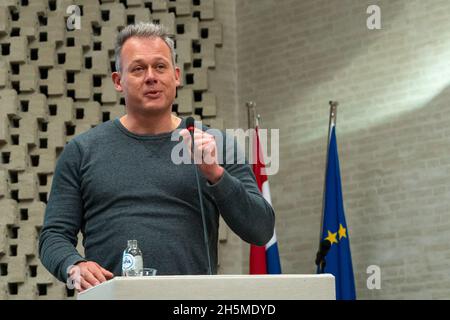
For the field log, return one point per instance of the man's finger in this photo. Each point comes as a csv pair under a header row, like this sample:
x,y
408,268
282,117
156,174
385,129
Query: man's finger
x,y
209,153
106,273
203,141
184,133
98,274
85,285
208,146
90,278
76,282
200,135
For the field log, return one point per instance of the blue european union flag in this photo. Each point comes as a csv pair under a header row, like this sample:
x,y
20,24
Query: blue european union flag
x,y
338,259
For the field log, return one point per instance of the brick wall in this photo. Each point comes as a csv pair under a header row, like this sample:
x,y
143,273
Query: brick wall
x,y
289,56
392,130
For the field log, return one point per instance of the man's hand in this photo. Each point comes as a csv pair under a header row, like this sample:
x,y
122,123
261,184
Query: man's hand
x,y
205,154
87,274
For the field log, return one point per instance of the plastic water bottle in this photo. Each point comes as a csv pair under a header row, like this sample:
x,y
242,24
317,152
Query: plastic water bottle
x,y
132,263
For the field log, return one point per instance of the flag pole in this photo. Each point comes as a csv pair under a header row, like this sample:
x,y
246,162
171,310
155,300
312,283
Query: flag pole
x,y
251,111
331,123
254,120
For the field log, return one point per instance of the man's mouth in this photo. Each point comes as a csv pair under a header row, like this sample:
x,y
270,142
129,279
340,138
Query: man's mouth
x,y
152,94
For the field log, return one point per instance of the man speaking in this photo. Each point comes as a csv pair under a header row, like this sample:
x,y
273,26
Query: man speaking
x,y
117,181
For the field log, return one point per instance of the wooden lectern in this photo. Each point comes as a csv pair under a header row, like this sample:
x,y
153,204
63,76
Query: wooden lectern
x,y
217,287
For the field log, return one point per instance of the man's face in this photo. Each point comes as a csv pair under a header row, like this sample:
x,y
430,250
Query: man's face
x,y
148,79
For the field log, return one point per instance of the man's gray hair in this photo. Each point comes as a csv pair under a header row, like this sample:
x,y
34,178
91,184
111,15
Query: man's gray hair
x,y
142,30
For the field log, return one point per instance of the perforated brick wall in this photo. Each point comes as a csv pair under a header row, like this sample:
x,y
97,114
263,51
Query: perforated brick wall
x,y
55,84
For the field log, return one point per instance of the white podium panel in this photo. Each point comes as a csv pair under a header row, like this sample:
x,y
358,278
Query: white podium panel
x,y
217,287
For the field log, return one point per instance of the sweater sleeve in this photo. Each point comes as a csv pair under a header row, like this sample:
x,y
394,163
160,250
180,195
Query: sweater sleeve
x,y
63,215
240,202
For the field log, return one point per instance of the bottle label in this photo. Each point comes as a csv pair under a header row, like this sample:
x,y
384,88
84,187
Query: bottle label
x,y
138,263
128,262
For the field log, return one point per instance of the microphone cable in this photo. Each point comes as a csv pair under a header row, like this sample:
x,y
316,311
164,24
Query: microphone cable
x,y
190,126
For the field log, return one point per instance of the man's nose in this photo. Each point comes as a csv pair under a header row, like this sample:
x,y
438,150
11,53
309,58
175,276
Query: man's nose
x,y
150,75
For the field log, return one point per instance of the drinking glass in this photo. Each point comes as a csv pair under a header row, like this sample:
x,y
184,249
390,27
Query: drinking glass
x,y
147,272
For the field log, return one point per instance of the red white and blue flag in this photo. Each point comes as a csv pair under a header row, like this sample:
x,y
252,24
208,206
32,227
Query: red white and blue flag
x,y
263,259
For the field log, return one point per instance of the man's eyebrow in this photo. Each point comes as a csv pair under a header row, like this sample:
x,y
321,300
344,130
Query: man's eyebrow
x,y
137,61
157,59
164,59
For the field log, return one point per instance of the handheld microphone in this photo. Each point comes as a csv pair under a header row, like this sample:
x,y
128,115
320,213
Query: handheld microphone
x,y
190,125
325,246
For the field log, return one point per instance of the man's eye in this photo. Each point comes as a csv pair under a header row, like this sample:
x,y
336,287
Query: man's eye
x,y
139,68
160,66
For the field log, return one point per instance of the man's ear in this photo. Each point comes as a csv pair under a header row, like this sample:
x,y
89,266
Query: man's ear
x,y
178,76
116,80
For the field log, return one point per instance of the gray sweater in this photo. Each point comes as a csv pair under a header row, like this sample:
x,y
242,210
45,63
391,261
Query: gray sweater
x,y
115,186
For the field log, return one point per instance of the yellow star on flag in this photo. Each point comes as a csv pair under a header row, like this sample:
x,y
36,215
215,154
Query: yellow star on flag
x,y
331,237
342,232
